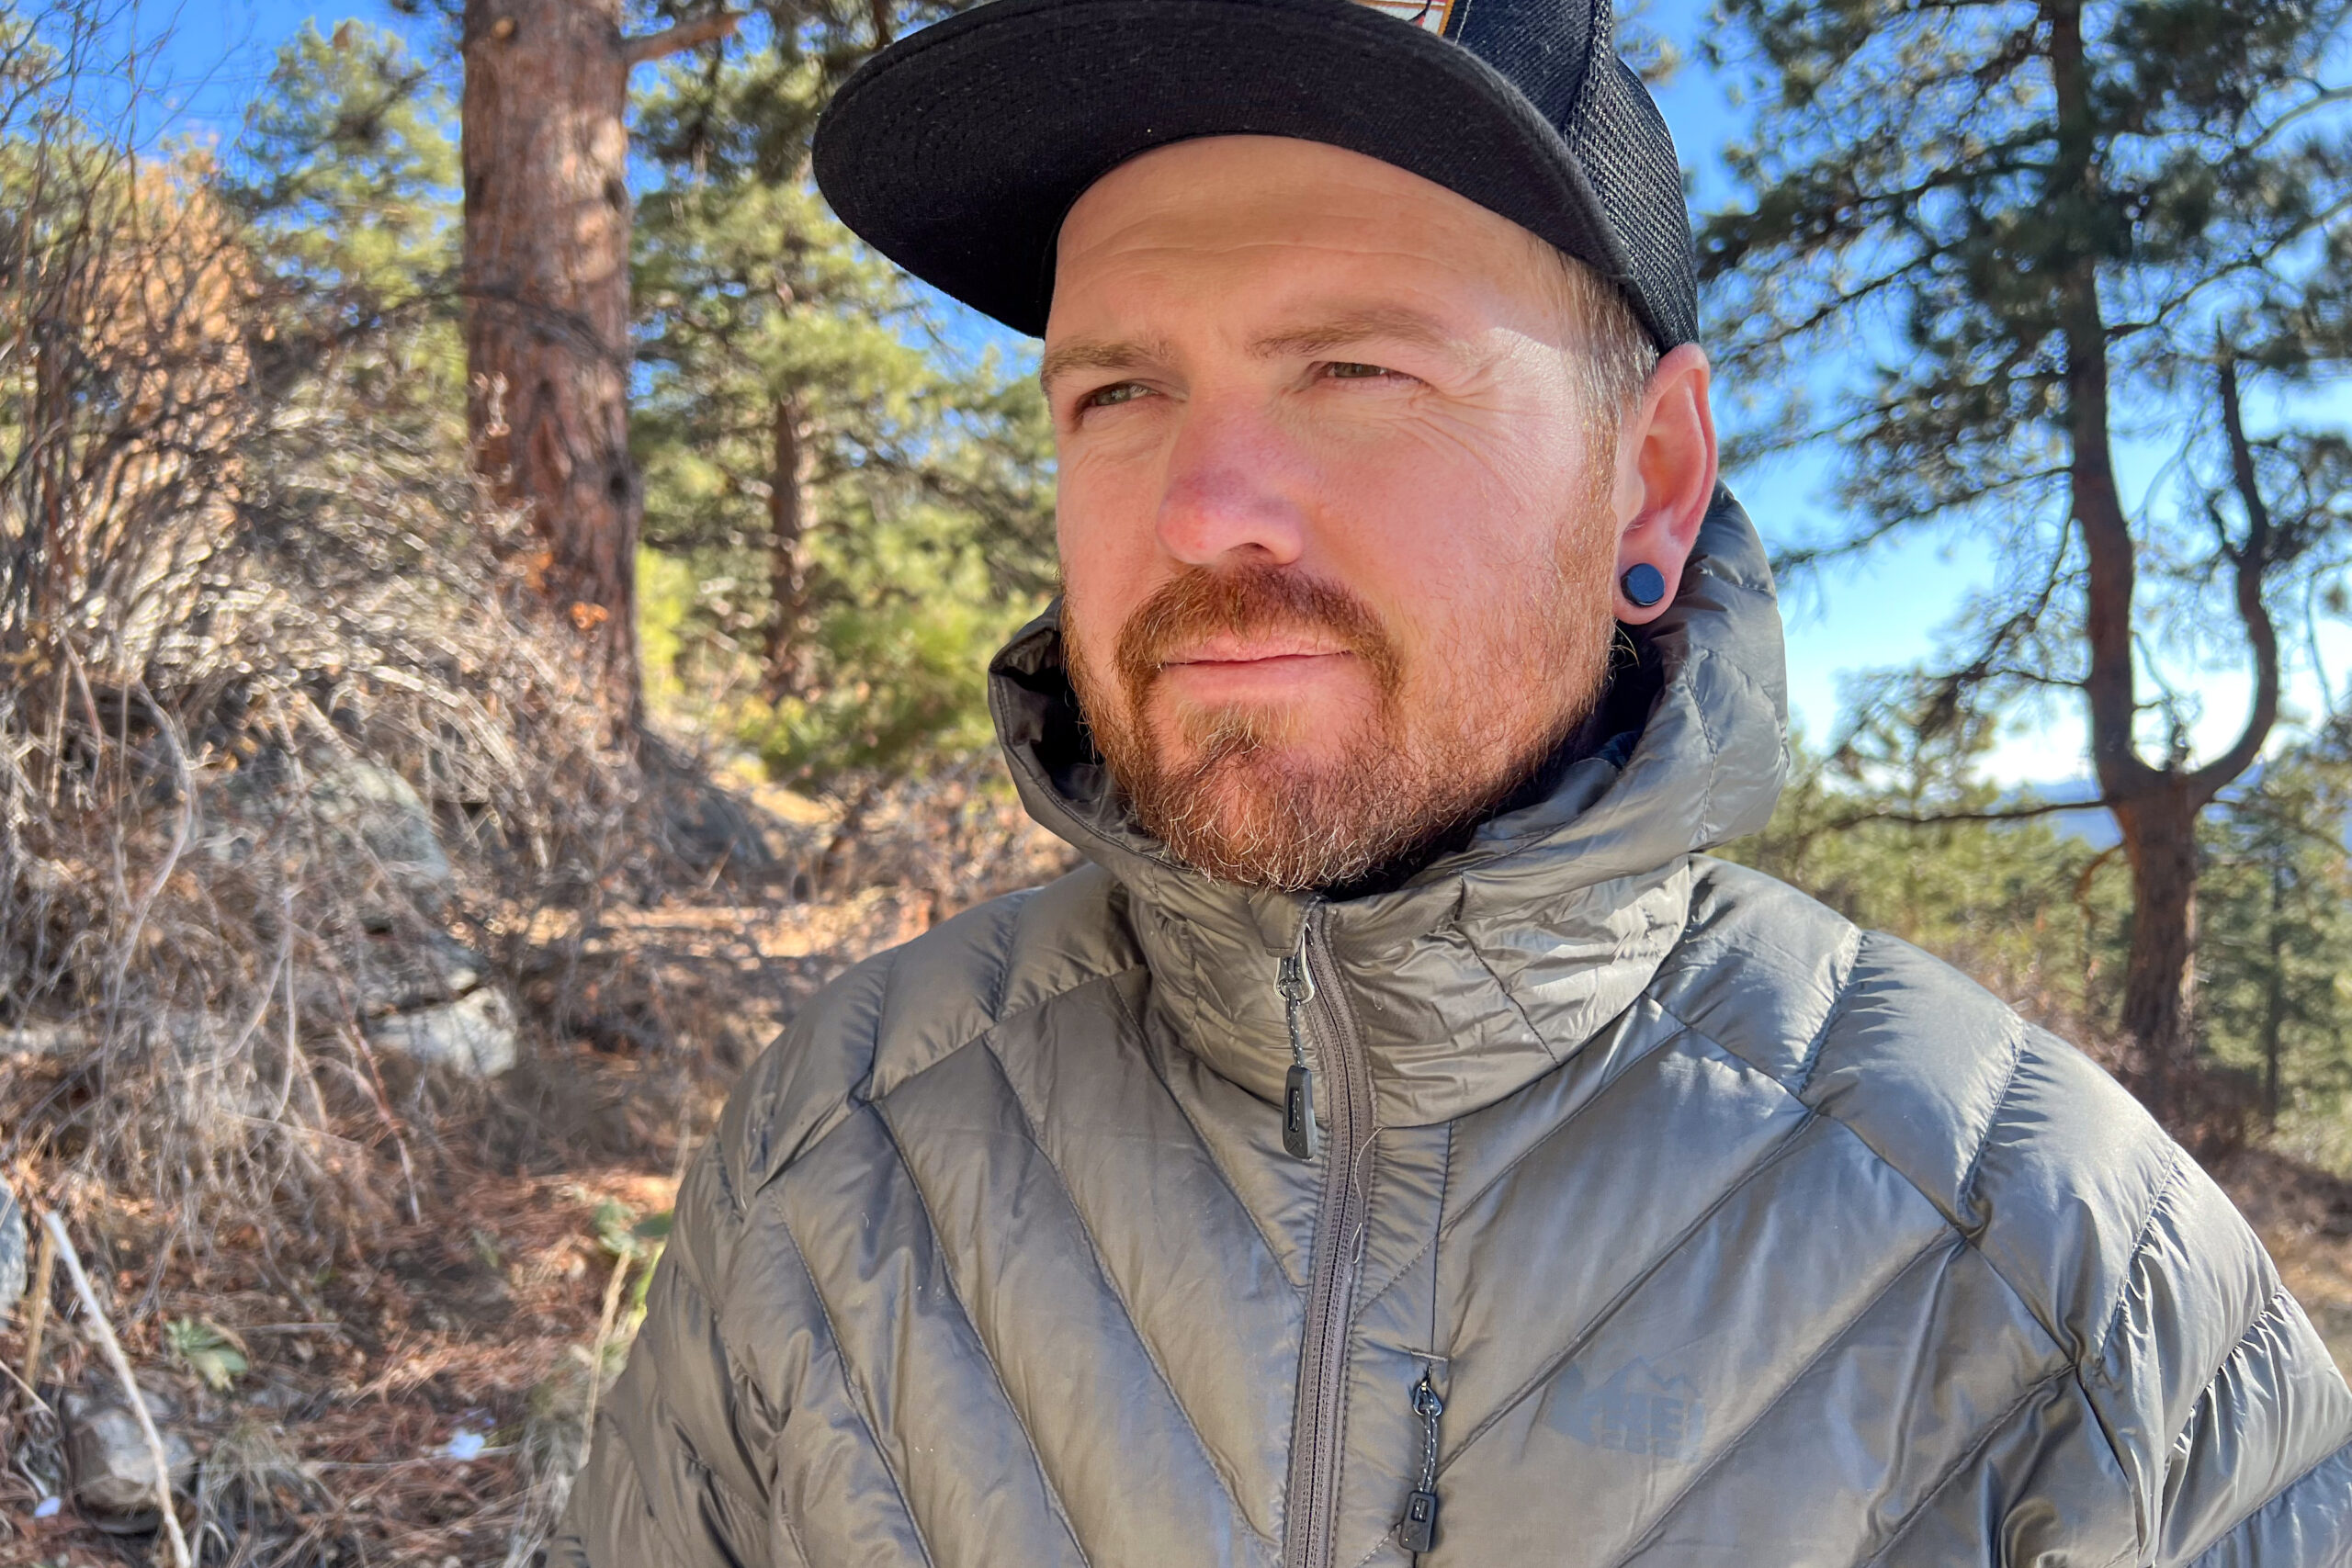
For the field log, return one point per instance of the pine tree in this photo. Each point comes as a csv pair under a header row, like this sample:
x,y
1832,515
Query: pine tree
x,y
866,507
2277,939
548,213
346,175
862,503
1979,245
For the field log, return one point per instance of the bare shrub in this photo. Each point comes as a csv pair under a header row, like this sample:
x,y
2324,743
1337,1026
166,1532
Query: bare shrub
x,y
289,743
279,712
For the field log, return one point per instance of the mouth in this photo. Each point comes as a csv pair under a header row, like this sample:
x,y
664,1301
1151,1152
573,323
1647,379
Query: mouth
x,y
1268,651
1279,670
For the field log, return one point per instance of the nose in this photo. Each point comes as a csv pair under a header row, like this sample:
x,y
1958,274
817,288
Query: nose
x,y
1231,490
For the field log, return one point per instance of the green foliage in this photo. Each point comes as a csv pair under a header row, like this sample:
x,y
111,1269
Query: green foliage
x,y
621,1233
1895,831
860,506
346,174
631,1242
747,109
1959,277
904,646
208,1350
349,164
2275,991
1880,829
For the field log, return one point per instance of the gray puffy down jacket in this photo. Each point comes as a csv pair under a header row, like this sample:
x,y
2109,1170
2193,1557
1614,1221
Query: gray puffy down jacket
x,y
1659,1215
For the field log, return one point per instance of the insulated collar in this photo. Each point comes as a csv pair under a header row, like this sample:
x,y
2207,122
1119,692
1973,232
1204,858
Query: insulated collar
x,y
1496,961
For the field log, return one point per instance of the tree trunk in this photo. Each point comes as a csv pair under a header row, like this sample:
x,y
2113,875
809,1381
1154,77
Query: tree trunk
x,y
2160,974
546,279
545,283
787,577
2156,808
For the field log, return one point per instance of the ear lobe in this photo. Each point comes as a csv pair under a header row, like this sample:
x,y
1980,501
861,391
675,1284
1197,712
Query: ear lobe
x,y
1671,446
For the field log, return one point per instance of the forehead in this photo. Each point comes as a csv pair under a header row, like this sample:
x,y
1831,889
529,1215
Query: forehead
x,y
1236,224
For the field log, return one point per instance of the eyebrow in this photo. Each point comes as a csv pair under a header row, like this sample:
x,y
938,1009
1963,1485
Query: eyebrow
x,y
1097,354
1394,322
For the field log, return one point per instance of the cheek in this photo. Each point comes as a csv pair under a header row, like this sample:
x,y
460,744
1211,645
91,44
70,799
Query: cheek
x,y
1102,533
1452,538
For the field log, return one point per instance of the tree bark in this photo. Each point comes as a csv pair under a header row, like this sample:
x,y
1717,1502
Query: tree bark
x,y
2096,502
2156,808
546,281
2160,974
787,576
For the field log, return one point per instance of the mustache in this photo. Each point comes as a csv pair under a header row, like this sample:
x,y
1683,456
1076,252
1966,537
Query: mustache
x,y
1200,604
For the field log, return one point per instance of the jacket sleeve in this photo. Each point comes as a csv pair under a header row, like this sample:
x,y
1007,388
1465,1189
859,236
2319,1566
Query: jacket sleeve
x,y
669,1479
2223,1403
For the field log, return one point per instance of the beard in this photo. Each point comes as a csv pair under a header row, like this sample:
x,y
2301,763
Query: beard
x,y
1450,734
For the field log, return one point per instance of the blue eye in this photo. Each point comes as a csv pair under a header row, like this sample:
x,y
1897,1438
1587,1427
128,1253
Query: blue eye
x,y
1104,397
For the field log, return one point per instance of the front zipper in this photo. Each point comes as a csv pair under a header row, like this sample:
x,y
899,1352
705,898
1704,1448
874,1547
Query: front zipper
x,y
1416,1532
1320,1019
1298,1089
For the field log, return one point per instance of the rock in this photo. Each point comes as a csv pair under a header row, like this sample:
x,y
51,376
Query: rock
x,y
399,974
381,810
362,812
55,1039
114,1474
474,1034
12,1252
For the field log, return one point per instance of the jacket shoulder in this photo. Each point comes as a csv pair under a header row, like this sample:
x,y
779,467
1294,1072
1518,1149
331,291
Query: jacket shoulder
x,y
2024,1144
901,1011
2211,1391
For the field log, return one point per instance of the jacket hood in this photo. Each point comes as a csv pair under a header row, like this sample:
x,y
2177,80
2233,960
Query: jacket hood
x,y
1497,960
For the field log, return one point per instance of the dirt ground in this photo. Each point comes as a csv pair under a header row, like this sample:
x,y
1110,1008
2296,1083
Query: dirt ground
x,y
418,1402
413,1404
2304,1217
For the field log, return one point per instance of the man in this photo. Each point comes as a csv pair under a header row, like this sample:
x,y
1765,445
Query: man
x,y
1400,1140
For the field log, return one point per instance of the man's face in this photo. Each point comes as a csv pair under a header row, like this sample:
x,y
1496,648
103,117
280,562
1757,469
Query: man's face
x,y
1338,525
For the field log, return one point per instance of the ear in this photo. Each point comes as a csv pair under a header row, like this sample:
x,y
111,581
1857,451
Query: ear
x,y
1665,476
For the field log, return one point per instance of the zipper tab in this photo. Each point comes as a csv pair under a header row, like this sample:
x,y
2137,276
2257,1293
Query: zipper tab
x,y
1416,1532
1298,1089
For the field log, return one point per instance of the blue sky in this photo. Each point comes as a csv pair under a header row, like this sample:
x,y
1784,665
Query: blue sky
x,y
1882,612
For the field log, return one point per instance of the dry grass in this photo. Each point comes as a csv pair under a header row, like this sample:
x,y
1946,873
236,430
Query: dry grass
x,y
469,1297
282,716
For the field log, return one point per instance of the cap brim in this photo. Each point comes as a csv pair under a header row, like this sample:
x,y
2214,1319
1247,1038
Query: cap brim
x,y
957,151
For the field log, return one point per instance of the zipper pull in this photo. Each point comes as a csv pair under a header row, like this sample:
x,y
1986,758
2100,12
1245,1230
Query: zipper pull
x,y
1298,1089
1417,1531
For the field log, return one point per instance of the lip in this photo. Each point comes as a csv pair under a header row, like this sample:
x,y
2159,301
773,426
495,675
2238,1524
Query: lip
x,y
1272,650
1264,676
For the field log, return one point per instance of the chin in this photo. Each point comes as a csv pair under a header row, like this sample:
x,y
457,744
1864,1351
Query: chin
x,y
1285,739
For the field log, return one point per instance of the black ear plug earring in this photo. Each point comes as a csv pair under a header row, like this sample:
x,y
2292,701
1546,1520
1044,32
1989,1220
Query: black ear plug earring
x,y
1643,584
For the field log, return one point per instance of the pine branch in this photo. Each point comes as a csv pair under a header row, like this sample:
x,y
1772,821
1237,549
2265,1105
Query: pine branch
x,y
2252,561
676,40
1942,818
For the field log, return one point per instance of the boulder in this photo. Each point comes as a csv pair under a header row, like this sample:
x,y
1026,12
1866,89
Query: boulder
x,y
475,1034
397,973
363,813
382,813
114,1474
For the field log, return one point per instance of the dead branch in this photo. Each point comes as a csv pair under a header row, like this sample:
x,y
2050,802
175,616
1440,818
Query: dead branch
x,y
44,1273
55,1228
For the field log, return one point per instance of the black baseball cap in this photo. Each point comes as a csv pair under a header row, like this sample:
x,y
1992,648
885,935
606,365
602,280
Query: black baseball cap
x,y
957,150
